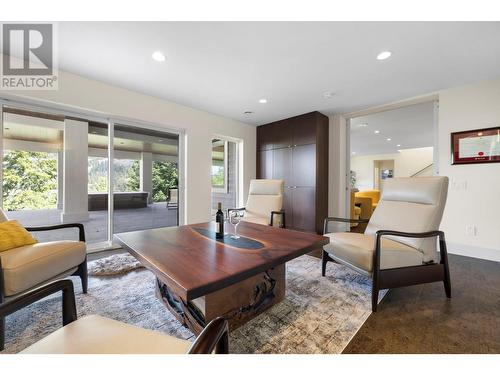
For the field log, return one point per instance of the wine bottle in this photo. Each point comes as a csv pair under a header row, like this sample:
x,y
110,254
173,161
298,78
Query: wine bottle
x,y
219,222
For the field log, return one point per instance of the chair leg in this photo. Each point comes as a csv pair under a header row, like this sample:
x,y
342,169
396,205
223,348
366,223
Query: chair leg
x,y
446,281
444,261
2,333
324,261
374,297
82,272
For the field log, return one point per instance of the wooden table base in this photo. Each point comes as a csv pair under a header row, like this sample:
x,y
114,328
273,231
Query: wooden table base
x,y
238,303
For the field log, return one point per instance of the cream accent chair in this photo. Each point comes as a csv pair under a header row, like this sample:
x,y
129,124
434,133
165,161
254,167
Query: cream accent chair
x,y
264,204
27,267
398,247
97,335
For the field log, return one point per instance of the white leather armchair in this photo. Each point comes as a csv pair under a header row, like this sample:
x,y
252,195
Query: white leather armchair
x,y
26,267
398,247
265,203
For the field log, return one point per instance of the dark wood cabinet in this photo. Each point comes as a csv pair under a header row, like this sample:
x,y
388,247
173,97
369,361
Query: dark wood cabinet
x,y
265,163
282,165
303,205
296,151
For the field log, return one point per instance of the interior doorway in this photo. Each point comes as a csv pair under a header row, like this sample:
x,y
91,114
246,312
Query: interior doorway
x,y
382,170
398,142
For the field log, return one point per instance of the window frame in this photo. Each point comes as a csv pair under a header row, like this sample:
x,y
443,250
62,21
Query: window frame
x,y
225,187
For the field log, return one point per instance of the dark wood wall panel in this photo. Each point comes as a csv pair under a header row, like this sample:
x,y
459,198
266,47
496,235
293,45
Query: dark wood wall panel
x,y
296,151
304,165
265,164
282,165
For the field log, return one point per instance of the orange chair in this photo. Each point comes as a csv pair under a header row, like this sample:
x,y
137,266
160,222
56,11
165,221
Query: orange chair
x,y
373,194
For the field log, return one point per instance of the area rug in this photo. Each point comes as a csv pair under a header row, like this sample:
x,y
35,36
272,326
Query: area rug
x,y
115,264
318,315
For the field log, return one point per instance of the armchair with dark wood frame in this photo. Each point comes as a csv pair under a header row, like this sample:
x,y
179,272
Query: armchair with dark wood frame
x,y
265,201
213,339
81,270
82,267
411,265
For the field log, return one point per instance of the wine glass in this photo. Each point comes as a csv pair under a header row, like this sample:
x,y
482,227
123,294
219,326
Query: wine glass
x,y
234,219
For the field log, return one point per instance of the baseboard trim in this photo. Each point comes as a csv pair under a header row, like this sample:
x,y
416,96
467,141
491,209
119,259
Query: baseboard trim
x,y
473,251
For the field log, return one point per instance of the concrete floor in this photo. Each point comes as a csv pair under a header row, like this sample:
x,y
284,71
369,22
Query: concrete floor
x,y
420,319
155,215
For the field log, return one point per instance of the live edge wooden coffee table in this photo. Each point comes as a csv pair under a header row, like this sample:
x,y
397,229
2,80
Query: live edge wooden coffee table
x,y
200,278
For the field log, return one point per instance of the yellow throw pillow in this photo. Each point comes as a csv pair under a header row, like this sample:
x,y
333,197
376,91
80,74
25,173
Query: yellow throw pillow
x,y
13,234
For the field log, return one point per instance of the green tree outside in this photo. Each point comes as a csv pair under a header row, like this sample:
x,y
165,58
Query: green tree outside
x,y
164,177
29,180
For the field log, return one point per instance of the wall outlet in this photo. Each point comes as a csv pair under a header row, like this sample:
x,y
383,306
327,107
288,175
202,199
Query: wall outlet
x,y
459,185
471,230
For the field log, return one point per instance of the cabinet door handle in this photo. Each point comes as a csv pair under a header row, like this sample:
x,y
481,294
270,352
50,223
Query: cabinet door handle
x,y
294,145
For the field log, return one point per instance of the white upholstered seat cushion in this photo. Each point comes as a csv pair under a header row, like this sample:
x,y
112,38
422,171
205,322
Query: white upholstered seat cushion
x,y
357,249
27,266
98,335
256,219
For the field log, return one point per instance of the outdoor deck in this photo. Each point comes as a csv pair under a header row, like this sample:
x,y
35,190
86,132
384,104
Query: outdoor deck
x,y
155,215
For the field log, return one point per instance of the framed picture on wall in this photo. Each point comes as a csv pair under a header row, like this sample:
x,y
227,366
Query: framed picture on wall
x,y
476,146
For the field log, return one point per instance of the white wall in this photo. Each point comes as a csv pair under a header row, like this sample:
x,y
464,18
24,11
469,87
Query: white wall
x,y
474,194
406,163
82,94
337,199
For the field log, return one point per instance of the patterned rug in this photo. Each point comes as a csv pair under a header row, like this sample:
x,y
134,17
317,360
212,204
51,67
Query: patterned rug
x,y
318,315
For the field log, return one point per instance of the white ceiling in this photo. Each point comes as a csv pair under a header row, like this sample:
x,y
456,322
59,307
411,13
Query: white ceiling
x,y
409,127
225,68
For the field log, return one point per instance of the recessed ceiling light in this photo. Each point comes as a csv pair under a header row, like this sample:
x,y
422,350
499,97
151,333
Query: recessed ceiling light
x,y
398,145
354,153
389,139
262,101
384,55
364,125
377,131
158,56
248,113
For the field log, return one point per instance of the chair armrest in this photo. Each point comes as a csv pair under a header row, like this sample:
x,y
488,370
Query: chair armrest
x,y
81,229
215,336
27,298
341,220
280,212
229,210
384,232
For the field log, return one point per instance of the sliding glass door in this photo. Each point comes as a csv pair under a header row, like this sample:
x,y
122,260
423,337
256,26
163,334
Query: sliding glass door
x,y
32,169
56,169
145,179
